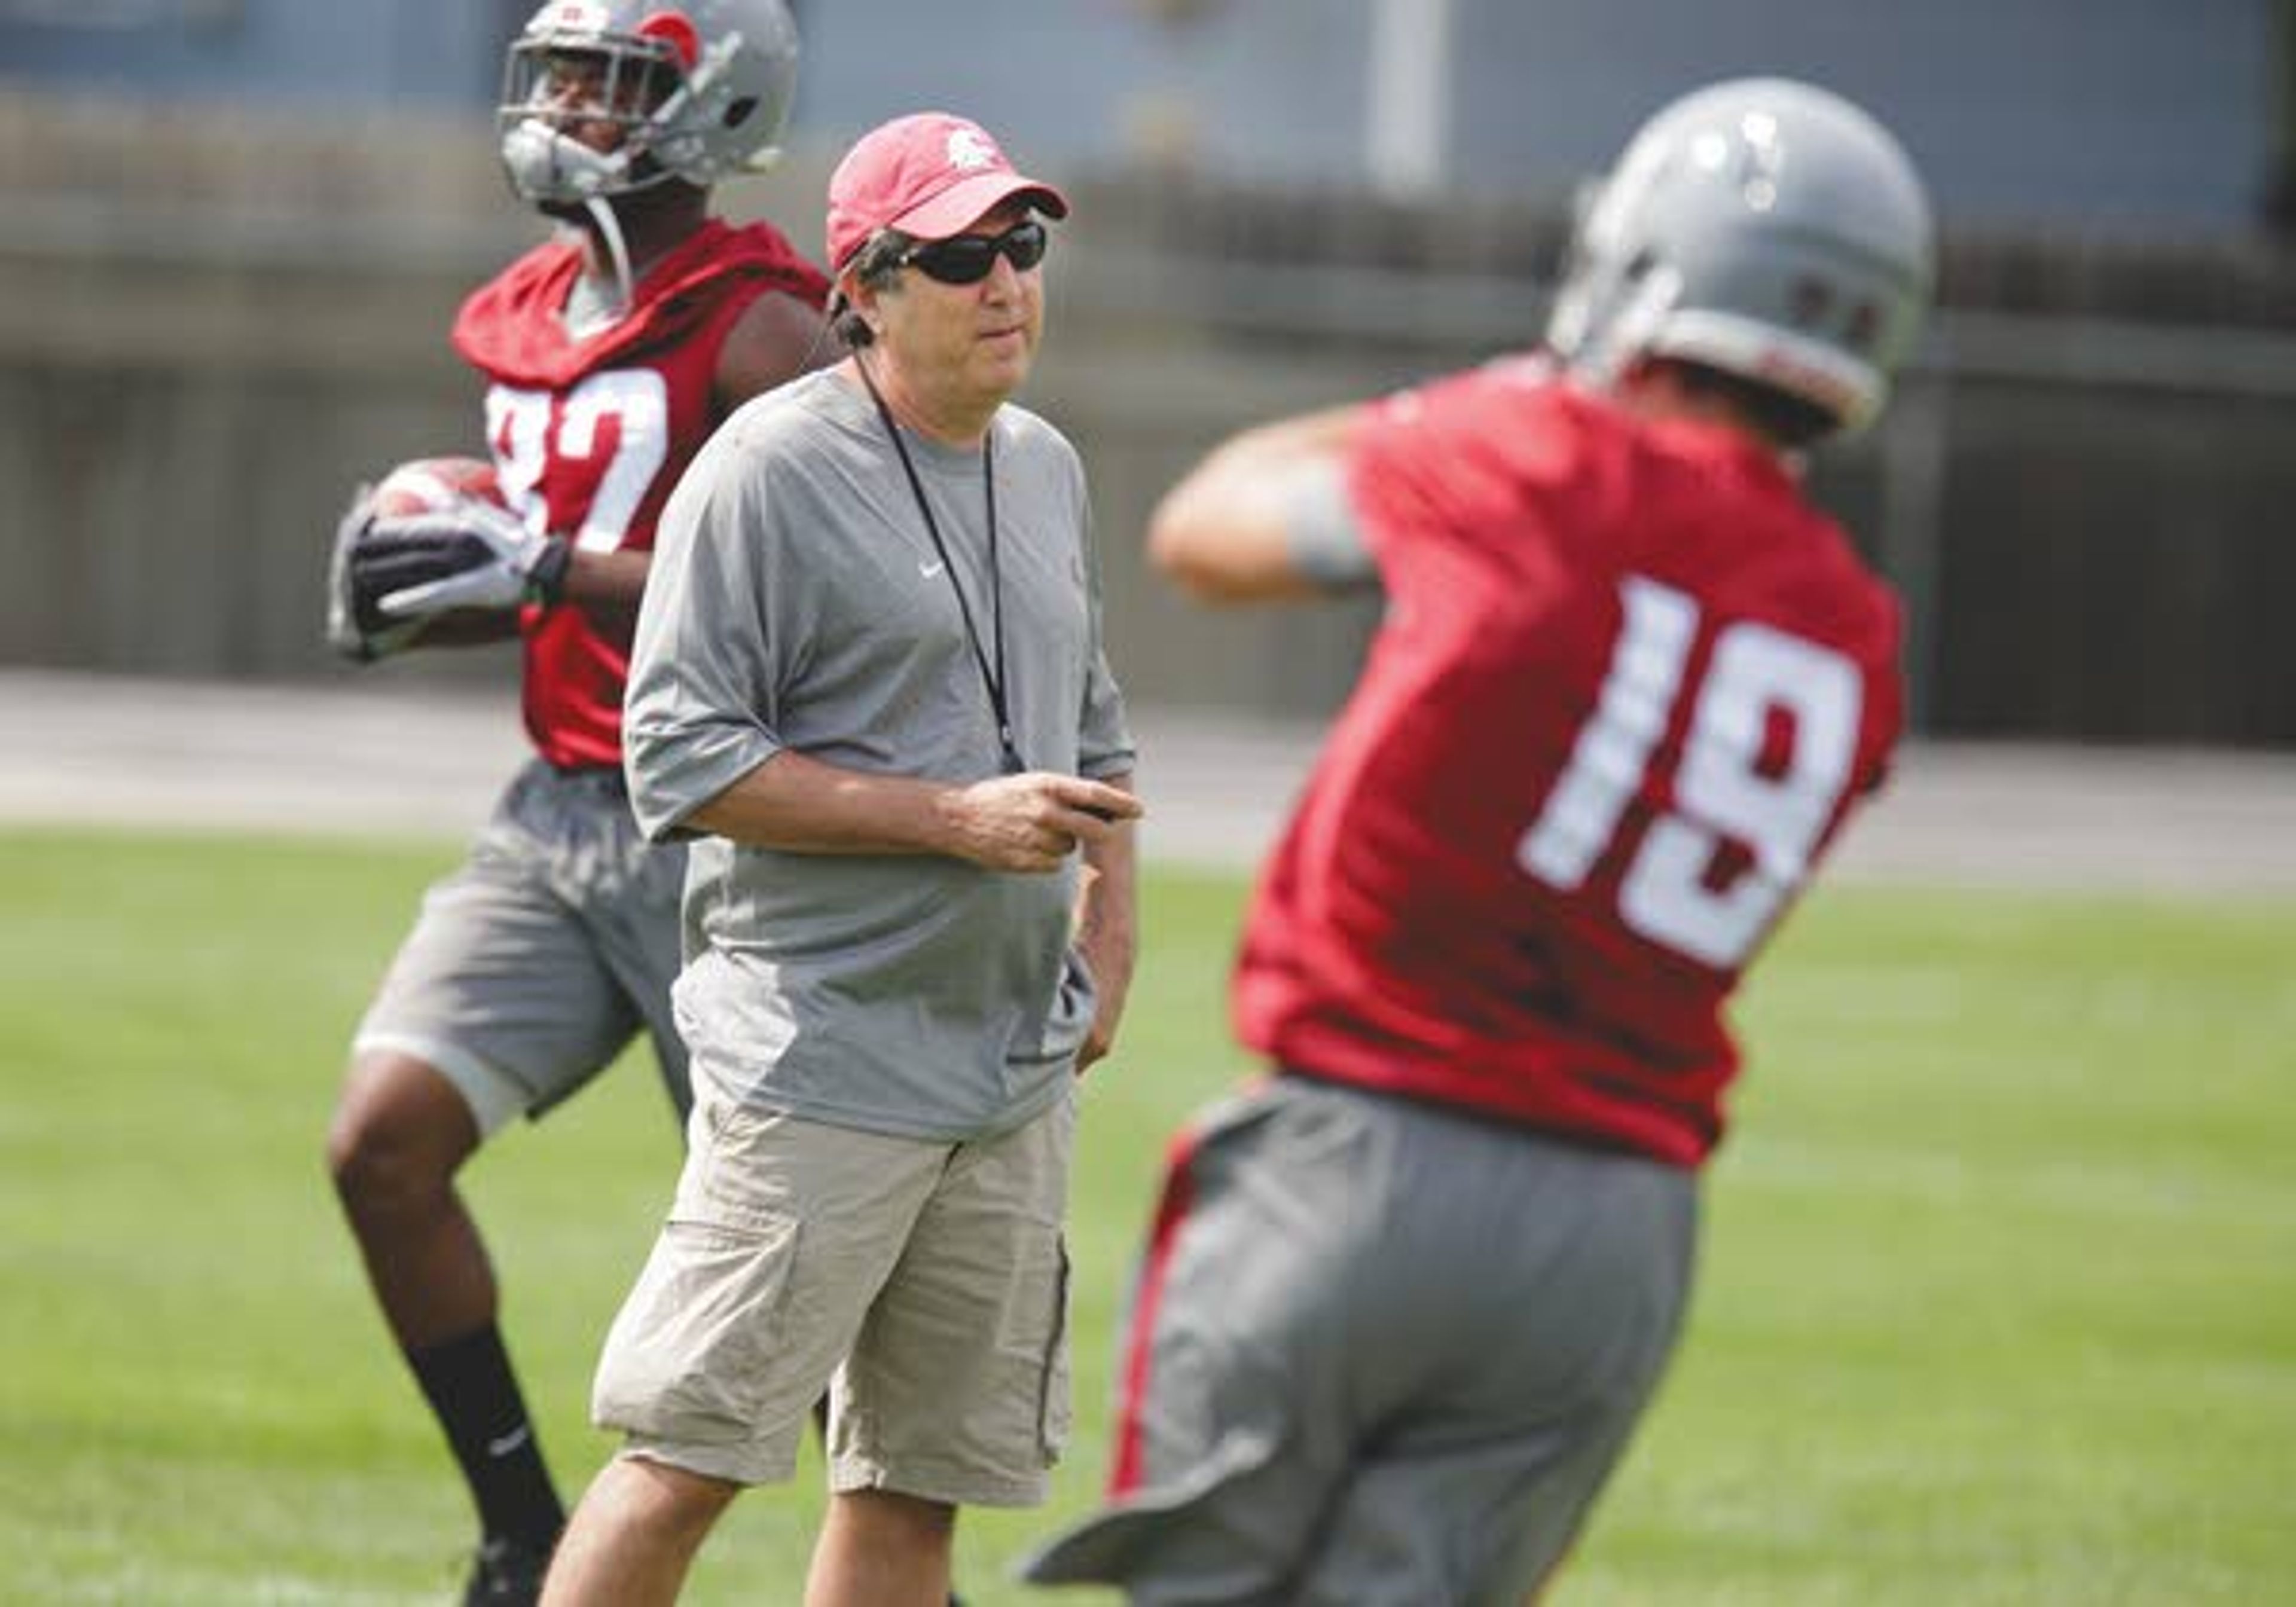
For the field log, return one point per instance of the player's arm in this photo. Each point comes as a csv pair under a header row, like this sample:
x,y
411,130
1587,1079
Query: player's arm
x,y
777,338
606,585
1026,822
1264,516
1107,931
466,628
457,573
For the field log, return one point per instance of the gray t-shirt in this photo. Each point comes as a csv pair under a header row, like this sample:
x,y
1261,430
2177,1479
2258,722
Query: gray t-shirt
x,y
796,601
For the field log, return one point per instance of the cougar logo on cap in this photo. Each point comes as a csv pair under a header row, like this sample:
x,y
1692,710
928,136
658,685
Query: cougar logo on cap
x,y
968,147
930,175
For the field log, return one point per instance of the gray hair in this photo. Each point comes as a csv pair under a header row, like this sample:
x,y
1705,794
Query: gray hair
x,y
878,262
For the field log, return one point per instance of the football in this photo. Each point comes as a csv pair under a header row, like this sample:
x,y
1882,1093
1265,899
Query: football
x,y
374,559
434,485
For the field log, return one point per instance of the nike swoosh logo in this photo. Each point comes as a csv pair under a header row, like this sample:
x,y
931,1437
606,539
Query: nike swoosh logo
x,y
928,569
510,1441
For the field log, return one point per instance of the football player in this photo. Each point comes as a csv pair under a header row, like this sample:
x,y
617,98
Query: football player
x,y
1406,1300
609,354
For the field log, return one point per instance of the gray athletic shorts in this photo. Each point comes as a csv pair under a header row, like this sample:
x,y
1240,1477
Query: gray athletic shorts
x,y
923,1284
532,966
1381,1356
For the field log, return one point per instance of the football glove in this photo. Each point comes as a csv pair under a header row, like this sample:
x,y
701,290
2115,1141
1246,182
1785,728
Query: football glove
x,y
473,555
356,627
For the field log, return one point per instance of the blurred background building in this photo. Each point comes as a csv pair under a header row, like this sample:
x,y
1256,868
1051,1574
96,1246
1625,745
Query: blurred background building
x,y
235,231
2127,115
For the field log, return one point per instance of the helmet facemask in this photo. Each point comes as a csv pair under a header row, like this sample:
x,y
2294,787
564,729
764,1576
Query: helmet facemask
x,y
556,93
697,93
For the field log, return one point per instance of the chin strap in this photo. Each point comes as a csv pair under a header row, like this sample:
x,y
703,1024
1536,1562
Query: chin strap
x,y
610,228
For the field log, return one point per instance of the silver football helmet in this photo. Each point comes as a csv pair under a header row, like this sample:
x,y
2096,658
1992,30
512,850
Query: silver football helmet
x,y
699,91
1761,226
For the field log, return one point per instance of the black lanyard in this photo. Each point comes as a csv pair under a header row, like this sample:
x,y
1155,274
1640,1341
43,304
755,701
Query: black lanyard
x,y
992,679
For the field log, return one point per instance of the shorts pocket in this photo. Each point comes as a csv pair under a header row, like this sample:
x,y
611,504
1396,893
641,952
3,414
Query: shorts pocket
x,y
688,1360
1053,1393
735,1179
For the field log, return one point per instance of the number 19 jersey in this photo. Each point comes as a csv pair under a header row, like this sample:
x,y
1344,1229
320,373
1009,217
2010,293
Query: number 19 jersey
x,y
1628,685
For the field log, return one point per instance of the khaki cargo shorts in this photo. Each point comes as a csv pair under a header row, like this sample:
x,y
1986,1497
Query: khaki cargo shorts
x,y
925,1284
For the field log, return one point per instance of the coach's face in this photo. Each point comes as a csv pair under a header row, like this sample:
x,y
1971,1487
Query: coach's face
x,y
968,344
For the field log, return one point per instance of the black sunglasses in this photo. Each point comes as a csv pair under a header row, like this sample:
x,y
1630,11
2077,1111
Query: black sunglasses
x,y
969,258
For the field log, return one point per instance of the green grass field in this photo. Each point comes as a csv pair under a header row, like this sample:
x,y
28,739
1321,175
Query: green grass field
x,y
1999,1300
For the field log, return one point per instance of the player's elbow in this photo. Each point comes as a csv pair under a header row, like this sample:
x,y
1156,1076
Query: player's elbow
x,y
1214,557
1178,551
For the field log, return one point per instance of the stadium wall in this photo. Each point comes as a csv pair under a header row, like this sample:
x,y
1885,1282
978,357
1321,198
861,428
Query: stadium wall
x,y
213,322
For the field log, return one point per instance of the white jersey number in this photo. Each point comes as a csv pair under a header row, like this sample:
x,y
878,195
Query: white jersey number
x,y
1723,792
527,437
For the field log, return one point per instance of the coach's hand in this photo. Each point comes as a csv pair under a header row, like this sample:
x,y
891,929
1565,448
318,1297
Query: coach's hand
x,y
1033,821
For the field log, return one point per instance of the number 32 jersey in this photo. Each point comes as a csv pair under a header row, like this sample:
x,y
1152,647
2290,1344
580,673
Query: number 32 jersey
x,y
1628,685
589,434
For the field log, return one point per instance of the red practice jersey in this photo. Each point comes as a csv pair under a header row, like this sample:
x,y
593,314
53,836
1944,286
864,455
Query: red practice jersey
x,y
589,435
1628,685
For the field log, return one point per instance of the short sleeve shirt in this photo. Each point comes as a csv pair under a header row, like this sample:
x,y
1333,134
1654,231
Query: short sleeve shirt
x,y
797,601
1628,685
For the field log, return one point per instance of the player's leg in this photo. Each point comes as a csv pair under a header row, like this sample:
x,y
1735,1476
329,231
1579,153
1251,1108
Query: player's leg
x,y
1481,1524
1509,1378
1233,1418
494,1006
631,897
401,1132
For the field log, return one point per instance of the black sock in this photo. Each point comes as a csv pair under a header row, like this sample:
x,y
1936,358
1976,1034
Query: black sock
x,y
475,1397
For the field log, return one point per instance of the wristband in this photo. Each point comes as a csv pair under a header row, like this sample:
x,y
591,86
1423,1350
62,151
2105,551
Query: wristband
x,y
546,582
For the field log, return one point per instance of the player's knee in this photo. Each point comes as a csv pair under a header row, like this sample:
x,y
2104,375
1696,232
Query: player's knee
x,y
396,1139
379,1168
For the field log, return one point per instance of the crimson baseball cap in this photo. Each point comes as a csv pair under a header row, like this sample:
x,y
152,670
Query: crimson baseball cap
x,y
931,174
